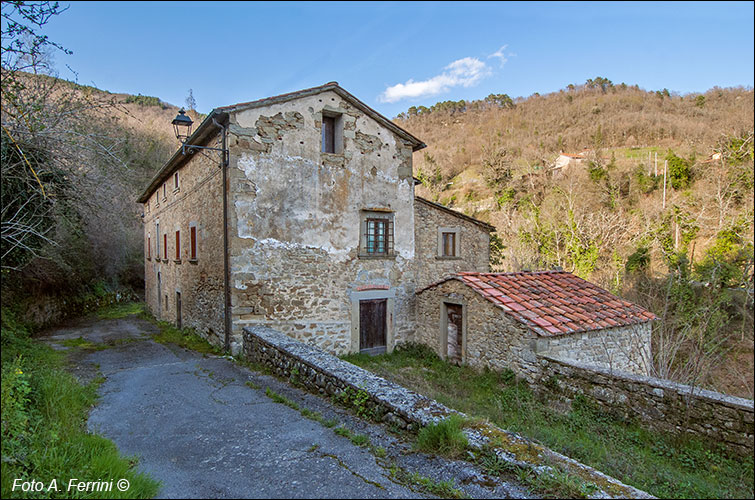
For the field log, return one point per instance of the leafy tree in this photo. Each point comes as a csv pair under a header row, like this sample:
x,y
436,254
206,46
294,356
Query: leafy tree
x,y
700,101
679,171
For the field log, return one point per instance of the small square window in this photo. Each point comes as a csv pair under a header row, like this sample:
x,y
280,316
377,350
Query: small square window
x,y
448,243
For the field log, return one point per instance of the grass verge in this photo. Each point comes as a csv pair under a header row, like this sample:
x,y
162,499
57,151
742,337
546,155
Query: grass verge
x,y
663,465
44,436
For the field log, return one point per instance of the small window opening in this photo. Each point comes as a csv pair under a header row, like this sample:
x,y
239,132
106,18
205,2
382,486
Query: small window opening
x,y
328,134
449,244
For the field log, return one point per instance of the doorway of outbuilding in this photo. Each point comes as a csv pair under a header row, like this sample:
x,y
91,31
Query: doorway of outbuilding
x,y
372,326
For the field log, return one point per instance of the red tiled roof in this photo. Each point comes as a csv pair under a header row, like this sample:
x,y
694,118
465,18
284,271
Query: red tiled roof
x,y
553,302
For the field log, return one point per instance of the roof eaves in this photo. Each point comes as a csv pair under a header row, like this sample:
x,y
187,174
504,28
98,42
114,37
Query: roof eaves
x,y
417,144
204,131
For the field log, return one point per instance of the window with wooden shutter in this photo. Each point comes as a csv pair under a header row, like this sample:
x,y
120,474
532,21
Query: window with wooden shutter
x,y
175,181
165,246
379,236
149,247
328,134
178,245
376,239
449,244
193,242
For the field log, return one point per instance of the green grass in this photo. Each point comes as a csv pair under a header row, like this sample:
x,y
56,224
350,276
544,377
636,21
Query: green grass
x,y
445,437
185,337
118,311
658,463
416,481
44,437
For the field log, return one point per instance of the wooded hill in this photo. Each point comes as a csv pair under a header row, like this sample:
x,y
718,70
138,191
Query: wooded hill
x,y
685,252
491,159
604,220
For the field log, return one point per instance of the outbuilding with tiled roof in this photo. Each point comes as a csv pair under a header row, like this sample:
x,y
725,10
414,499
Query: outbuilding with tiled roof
x,y
504,320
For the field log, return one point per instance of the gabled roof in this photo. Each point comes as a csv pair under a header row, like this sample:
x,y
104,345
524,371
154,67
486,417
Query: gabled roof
x,y
332,86
207,129
553,302
460,215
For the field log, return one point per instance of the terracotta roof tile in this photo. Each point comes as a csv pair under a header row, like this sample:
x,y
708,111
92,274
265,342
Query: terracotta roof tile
x,y
553,302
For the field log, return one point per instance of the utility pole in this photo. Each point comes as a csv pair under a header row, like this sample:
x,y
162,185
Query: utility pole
x,y
656,163
664,183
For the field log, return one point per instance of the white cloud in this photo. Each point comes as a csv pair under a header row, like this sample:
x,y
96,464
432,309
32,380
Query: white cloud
x,y
465,72
500,55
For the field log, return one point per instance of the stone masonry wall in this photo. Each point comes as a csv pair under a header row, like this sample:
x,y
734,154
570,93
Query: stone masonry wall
x,y
492,339
198,200
658,403
474,245
321,372
624,348
295,216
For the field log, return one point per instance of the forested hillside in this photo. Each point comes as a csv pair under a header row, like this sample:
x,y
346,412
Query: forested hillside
x,y
685,252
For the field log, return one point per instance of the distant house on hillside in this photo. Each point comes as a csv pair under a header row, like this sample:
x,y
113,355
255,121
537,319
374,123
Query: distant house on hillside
x,y
566,161
502,320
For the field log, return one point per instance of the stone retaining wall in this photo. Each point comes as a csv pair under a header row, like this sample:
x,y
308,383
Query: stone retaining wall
x,y
660,404
324,373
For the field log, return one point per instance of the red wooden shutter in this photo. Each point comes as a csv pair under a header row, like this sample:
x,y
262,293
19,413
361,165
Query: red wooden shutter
x,y
193,238
165,246
149,247
178,245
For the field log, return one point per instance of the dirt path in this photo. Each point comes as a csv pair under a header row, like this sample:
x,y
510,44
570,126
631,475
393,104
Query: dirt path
x,y
204,427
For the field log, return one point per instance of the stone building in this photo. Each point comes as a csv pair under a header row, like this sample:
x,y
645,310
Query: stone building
x,y
307,224
503,320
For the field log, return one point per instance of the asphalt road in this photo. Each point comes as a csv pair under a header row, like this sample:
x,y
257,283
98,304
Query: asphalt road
x,y
204,427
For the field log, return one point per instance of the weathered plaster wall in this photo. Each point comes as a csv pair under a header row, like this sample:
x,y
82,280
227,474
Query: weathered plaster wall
x,y
198,200
295,220
474,245
658,403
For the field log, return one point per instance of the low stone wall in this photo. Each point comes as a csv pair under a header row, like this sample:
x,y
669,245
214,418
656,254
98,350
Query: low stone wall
x,y
660,404
384,400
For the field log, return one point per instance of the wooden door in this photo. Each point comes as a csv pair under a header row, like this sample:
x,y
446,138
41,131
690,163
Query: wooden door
x,y
372,326
455,333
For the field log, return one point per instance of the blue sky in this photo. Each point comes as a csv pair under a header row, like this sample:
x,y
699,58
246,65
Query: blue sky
x,y
395,55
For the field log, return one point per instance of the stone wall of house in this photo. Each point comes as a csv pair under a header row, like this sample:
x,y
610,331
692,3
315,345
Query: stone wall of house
x,y
625,348
198,200
295,216
658,403
496,341
493,340
474,244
